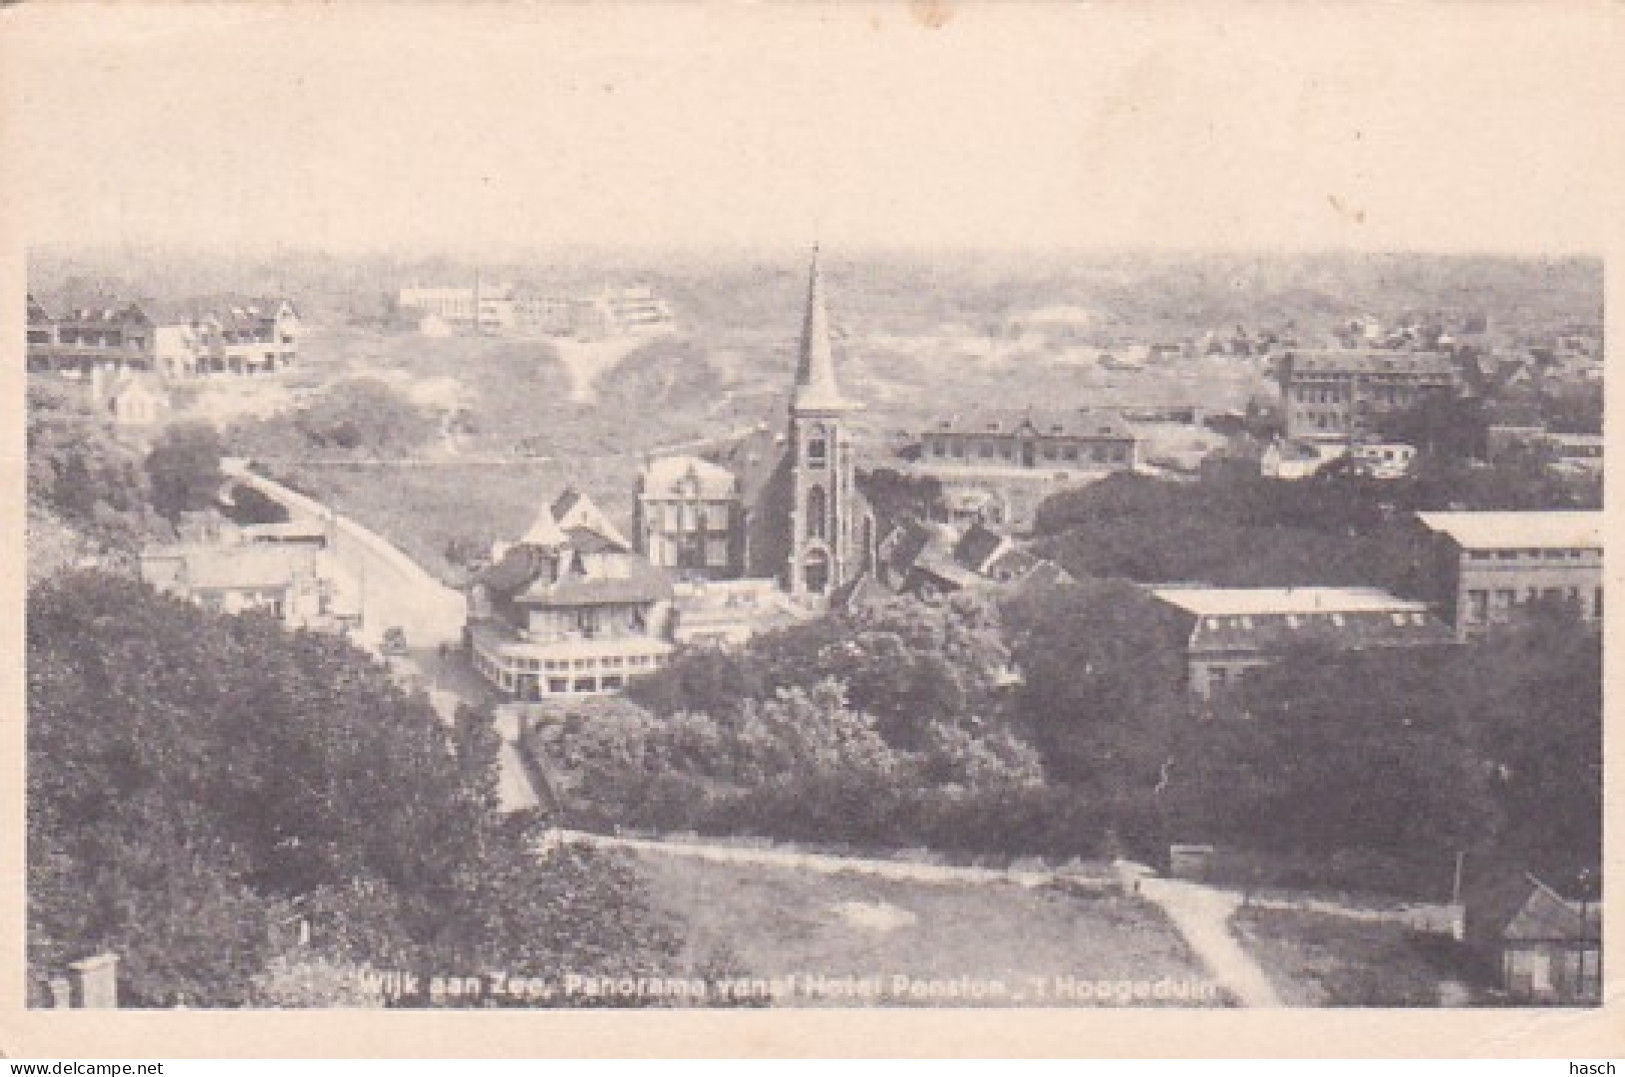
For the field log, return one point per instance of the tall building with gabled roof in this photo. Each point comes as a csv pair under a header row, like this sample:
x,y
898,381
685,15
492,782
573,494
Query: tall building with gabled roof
x,y
799,518
827,522
569,609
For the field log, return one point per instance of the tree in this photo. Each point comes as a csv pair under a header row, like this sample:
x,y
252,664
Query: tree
x,y
194,777
184,469
1102,673
80,472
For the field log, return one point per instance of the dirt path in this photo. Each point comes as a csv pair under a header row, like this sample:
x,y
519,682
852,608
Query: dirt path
x,y
1202,915
822,863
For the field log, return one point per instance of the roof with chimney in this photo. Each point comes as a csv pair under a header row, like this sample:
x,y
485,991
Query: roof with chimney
x,y
569,556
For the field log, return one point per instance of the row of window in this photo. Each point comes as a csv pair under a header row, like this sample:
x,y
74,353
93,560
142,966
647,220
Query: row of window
x,y
1486,605
689,515
1399,618
1556,554
668,552
1100,453
508,672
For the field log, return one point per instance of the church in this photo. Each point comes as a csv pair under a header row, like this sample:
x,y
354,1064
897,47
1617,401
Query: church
x,y
792,512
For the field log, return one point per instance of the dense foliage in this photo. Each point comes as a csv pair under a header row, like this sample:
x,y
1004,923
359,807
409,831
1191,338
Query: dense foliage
x,y
1236,528
893,726
196,780
184,469
79,472
1492,749
360,417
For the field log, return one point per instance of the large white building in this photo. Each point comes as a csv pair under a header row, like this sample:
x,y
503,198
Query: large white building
x,y
1495,562
569,609
1230,630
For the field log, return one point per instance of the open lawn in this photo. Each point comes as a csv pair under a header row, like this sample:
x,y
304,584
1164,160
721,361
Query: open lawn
x,y
895,936
424,509
1322,959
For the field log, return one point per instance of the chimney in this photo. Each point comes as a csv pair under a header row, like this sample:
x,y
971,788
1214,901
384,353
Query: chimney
x,y
93,983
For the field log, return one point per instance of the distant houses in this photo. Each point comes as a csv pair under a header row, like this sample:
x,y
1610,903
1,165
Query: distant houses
x,y
171,339
1030,440
504,308
1340,394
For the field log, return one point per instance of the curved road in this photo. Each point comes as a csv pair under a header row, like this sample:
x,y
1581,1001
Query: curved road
x,y
397,592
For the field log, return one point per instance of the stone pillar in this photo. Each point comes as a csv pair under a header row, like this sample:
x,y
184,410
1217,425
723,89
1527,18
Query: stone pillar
x,y
93,982
61,993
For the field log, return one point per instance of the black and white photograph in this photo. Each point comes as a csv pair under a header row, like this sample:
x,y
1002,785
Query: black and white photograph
x,y
874,507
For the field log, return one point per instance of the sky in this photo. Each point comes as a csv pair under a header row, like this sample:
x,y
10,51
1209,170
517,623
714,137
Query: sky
x,y
356,127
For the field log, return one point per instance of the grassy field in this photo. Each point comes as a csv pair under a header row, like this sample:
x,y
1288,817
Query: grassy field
x,y
422,509
1322,959
785,923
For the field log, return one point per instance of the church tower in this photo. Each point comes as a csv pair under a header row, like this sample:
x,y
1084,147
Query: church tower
x,y
825,543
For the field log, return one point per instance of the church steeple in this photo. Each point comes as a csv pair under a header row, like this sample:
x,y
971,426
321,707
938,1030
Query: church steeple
x,y
816,388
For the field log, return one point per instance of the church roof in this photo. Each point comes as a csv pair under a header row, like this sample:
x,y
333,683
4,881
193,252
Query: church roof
x,y
816,388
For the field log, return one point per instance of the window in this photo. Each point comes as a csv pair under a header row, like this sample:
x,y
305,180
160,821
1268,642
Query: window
x,y
1478,607
716,553
584,684
1596,603
817,447
817,510
1070,453
689,516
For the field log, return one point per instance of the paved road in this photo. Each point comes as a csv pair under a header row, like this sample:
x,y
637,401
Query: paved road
x,y
1202,915
397,592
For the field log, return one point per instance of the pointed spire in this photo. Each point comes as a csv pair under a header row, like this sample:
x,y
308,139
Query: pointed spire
x,y
816,387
